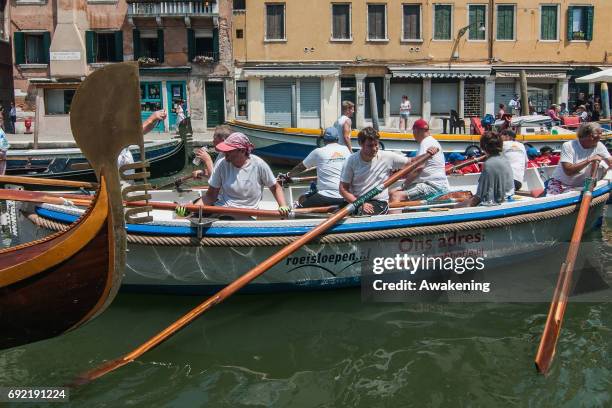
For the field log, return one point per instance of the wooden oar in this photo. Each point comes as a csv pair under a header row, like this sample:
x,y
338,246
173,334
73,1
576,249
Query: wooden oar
x,y
85,200
46,182
466,163
548,343
248,277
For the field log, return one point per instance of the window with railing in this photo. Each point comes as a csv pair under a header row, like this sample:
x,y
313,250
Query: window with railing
x,y
148,45
580,23
203,45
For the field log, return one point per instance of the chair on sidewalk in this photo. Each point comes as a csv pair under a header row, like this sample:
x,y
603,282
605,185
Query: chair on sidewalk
x,y
476,127
456,123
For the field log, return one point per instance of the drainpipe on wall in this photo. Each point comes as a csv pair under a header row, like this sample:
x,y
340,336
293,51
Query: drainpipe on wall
x,y
490,37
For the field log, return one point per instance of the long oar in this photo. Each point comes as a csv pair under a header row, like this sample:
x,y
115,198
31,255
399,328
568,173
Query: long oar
x,y
548,343
248,277
466,163
46,182
85,200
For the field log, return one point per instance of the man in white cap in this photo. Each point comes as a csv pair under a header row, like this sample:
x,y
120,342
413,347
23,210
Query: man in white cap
x,y
238,178
328,161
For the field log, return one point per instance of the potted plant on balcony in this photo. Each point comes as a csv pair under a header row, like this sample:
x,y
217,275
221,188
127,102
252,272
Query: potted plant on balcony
x,y
203,59
148,61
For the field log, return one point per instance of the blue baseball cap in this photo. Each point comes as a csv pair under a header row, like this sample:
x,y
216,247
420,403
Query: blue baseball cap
x,y
331,134
453,157
532,152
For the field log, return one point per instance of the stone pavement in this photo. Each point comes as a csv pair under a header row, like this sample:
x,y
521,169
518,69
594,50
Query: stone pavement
x,y
26,141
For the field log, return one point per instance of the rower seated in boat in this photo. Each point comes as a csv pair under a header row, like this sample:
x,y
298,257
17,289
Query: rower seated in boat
x,y
368,168
238,178
516,155
576,157
430,180
202,156
328,160
496,182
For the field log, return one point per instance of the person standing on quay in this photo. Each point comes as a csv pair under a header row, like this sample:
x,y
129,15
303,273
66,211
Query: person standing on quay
x,y
405,108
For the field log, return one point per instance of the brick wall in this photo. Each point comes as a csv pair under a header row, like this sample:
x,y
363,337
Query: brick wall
x,y
473,102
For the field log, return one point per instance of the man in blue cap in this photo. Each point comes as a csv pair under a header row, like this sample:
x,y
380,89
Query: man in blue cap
x,y
328,160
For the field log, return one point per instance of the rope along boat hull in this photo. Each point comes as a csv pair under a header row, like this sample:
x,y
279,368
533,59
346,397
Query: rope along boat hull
x,y
167,255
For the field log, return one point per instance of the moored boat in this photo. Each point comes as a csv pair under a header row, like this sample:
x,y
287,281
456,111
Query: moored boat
x,y
174,255
165,158
292,145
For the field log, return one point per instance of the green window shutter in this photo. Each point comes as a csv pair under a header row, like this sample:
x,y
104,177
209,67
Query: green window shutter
x,y
442,22
216,44
505,22
589,23
118,46
570,23
136,43
90,45
160,45
19,43
190,44
548,23
46,47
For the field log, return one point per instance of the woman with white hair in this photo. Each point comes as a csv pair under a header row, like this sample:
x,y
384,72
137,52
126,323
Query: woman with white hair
x,y
576,157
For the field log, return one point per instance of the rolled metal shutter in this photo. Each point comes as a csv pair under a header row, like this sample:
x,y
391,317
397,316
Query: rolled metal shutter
x,y
503,93
310,98
277,101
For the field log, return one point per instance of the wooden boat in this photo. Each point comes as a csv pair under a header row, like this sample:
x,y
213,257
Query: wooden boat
x,y
57,283
165,159
292,145
174,255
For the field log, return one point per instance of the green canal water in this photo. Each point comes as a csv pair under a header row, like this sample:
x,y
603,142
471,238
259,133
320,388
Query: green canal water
x,y
330,349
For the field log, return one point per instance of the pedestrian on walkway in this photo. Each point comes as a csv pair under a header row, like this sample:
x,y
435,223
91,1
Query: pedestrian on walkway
x,y
404,111
13,118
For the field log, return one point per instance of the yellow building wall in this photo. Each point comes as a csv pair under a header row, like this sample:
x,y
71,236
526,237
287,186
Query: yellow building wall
x,y
308,35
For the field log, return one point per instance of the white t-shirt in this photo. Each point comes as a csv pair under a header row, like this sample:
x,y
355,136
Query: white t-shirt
x,y
125,157
363,176
516,154
572,152
339,125
329,161
434,171
241,187
405,107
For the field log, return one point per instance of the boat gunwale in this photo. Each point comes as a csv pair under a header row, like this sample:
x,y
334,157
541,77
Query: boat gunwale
x,y
266,228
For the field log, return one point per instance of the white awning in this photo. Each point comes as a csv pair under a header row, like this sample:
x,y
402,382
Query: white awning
x,y
601,76
531,74
289,73
436,72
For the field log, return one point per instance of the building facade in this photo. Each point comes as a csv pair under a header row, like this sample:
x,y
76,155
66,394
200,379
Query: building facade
x,y
183,48
6,64
296,61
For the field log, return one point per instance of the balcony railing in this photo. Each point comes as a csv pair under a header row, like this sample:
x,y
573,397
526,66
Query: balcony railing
x,y
173,8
